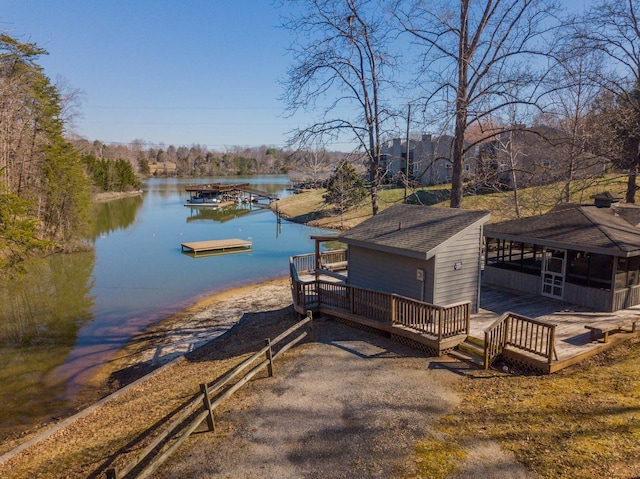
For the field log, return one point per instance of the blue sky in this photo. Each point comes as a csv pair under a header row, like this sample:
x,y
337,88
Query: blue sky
x,y
176,72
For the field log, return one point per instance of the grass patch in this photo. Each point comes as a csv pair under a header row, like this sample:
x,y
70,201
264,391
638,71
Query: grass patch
x,y
436,459
582,422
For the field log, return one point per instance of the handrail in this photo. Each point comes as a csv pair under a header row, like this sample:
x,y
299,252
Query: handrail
x,y
521,332
494,339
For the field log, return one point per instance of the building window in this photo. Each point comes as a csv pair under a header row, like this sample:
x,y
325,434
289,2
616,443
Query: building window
x,y
628,272
546,163
467,167
589,269
513,255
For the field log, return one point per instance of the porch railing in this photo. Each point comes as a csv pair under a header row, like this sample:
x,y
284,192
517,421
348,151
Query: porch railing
x,y
440,321
307,262
520,332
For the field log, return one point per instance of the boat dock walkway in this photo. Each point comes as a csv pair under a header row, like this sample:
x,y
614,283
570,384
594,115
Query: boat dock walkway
x,y
211,246
212,194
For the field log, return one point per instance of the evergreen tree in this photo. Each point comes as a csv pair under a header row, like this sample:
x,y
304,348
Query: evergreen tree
x,y
345,188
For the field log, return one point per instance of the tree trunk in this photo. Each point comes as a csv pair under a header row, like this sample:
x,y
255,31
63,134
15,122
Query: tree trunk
x,y
461,108
633,172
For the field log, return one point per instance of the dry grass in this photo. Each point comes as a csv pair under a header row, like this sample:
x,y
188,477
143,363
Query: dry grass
x,y
583,422
309,207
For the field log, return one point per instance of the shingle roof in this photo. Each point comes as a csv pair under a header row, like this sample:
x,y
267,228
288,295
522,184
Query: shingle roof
x,y
611,231
412,230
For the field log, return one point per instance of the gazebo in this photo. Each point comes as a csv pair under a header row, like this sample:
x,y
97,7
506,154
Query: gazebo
x,y
583,254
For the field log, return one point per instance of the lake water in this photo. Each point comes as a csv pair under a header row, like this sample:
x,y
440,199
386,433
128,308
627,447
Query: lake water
x,y
70,313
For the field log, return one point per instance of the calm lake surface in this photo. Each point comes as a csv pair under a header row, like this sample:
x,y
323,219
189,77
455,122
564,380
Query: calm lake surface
x,y
65,318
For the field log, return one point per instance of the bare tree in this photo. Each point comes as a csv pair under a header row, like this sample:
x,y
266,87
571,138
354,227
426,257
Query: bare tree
x,y
611,27
341,55
314,162
475,52
571,103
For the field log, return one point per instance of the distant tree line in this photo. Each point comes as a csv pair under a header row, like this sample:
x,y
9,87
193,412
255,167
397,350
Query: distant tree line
x,y
200,161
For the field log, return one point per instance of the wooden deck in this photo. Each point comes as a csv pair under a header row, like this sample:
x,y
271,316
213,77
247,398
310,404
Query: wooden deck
x,y
572,341
545,335
217,246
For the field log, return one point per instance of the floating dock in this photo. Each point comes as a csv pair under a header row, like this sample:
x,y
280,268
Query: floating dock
x,y
217,246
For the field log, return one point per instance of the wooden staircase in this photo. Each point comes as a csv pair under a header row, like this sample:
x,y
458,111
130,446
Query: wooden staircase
x,y
471,351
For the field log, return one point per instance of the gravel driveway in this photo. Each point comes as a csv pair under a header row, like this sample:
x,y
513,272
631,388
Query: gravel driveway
x,y
353,404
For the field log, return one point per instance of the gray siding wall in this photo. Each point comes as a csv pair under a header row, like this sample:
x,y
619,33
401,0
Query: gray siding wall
x,y
389,273
454,285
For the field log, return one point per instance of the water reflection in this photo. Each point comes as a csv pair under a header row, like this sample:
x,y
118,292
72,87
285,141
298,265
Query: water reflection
x,y
41,312
63,321
220,215
111,216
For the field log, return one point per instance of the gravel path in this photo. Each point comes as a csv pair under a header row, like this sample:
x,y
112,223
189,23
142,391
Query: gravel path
x,y
352,404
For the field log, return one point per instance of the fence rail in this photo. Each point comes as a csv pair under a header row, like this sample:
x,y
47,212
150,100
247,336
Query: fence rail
x,y
209,398
520,332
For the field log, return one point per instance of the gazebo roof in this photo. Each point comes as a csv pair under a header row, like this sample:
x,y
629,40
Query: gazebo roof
x,y
412,230
613,231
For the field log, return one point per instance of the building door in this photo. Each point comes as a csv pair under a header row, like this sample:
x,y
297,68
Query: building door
x,y
553,269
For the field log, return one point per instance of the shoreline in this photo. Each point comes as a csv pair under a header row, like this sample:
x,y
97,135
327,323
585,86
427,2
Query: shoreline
x,y
183,332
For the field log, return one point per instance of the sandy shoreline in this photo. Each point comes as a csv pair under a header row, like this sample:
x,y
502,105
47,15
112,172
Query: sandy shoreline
x,y
185,331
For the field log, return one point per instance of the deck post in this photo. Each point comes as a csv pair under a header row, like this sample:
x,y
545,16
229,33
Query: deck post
x,y
394,303
551,347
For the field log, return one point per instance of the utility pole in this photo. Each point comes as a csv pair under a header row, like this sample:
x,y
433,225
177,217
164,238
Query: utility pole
x,y
406,160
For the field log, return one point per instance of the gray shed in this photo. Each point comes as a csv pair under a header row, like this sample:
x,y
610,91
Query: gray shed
x,y
422,252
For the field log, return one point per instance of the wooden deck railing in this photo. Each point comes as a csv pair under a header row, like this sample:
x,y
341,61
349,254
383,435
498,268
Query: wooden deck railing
x,y
520,332
307,262
203,404
441,322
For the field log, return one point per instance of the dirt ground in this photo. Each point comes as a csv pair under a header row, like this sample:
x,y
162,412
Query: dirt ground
x,y
352,404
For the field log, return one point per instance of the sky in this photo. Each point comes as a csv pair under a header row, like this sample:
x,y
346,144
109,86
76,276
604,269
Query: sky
x,y
179,72
203,72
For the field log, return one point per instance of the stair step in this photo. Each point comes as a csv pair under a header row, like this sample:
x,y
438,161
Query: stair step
x,y
472,349
467,358
476,341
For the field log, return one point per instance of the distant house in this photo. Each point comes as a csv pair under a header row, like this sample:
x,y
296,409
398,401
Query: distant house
x,y
426,253
533,156
586,255
429,159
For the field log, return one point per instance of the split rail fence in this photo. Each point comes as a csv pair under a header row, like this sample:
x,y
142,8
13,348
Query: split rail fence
x,y
204,404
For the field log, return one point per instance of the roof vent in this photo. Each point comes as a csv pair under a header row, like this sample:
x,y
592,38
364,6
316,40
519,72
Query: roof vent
x,y
605,199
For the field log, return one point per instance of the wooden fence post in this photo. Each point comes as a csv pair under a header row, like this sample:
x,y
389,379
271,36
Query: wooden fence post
x,y
269,353
312,333
207,404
